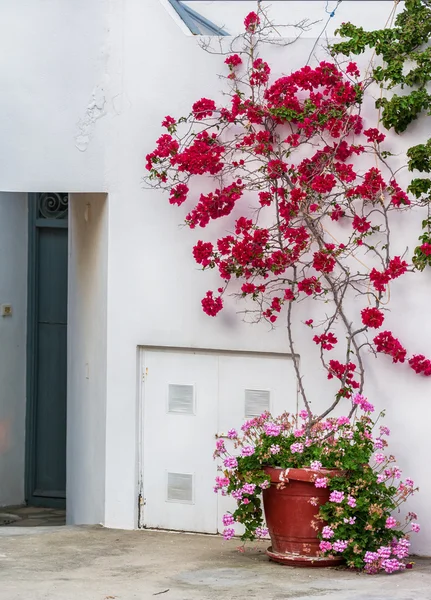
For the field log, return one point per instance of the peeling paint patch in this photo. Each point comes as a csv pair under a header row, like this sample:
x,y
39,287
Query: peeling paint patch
x,y
94,111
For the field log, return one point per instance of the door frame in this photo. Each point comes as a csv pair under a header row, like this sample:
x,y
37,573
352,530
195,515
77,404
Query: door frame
x,y
34,226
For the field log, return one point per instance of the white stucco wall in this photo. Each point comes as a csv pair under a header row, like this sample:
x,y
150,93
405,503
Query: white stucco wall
x,y
52,105
136,250
13,290
86,390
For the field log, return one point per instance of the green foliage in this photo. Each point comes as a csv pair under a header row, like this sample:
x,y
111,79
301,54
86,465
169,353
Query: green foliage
x,y
399,111
420,157
421,257
406,61
419,187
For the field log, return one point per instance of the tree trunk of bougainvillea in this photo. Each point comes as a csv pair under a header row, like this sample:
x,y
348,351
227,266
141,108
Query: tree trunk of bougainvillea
x,y
291,506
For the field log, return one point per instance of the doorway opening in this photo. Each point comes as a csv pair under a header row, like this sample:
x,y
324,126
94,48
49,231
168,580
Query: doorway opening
x,y
47,350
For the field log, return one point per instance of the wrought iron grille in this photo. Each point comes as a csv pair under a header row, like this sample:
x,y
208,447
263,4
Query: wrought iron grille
x,y
52,205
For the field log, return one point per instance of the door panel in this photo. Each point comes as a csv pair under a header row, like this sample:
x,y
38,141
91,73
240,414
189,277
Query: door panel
x,y
47,355
50,450
178,441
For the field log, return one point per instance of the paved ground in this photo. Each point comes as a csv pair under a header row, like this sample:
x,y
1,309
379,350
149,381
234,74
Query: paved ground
x,y
62,563
28,516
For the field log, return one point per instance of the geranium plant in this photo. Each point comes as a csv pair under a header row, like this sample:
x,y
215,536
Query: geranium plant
x,y
364,494
314,193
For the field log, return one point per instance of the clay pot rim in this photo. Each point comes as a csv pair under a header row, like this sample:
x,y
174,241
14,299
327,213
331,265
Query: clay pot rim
x,y
306,474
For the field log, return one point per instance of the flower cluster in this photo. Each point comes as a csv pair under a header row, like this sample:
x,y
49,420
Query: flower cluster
x,y
420,364
388,344
251,22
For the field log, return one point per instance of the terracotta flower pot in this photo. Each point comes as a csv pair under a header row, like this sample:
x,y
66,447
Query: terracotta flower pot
x,y
291,506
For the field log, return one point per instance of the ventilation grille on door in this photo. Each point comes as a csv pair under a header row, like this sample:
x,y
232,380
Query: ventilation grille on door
x,y
256,402
180,488
181,399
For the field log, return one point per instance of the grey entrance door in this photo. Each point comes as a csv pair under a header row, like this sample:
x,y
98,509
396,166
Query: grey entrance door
x,y
47,350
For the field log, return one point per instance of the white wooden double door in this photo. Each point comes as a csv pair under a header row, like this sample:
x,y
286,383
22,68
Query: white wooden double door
x,y
188,397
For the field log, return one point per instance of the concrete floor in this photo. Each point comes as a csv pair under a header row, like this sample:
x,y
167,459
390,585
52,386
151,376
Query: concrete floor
x,y
29,516
66,563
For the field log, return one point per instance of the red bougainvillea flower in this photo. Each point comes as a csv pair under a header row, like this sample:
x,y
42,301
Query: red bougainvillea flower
x,y
337,213
352,69
426,249
265,198
202,156
398,197
214,205
260,72
379,280
248,288
203,108
166,146
202,253
251,22
234,60
168,122
372,317
309,285
343,373
372,187
212,306
276,168
293,139
224,244
420,364
263,142
374,135
275,304
360,224
326,340
397,267
323,183
270,316
345,172
324,262
388,344
178,194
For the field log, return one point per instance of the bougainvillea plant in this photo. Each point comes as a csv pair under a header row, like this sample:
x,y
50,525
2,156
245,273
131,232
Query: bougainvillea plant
x,y
359,515
313,193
